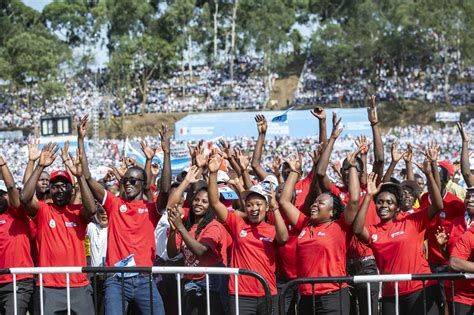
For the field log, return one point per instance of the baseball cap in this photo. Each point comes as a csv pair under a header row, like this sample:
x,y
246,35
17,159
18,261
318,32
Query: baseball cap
x,y
58,174
3,187
256,189
448,166
222,177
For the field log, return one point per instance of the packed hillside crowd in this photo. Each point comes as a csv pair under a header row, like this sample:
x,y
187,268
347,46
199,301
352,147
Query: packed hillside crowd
x,y
208,90
349,214
411,82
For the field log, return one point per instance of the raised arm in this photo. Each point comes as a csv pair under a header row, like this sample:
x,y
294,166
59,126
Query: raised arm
x,y
358,226
33,156
97,189
28,198
431,153
191,177
407,156
149,154
320,114
396,157
281,235
244,163
377,138
314,189
363,144
465,169
165,183
213,166
324,181
257,153
433,189
291,212
13,194
354,188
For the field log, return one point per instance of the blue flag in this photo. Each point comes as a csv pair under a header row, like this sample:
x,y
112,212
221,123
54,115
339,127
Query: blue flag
x,y
283,117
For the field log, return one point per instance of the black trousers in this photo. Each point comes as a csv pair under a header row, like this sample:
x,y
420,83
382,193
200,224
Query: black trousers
x,y
24,293
334,303
412,303
358,291
250,305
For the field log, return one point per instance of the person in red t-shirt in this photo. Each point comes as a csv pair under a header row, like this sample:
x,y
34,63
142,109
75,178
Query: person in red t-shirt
x,y
202,241
132,222
462,260
323,242
254,242
395,243
15,247
61,231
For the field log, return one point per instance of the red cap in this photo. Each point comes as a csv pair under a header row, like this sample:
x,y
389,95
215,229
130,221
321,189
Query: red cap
x,y
58,174
448,166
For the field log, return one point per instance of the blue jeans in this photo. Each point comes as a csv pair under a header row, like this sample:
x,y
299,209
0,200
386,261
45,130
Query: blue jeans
x,y
136,289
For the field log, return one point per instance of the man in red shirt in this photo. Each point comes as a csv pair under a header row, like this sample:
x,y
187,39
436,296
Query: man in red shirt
x,y
14,246
132,222
61,231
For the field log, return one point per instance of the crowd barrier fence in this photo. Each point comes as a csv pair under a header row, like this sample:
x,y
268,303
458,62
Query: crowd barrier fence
x,y
178,271
373,280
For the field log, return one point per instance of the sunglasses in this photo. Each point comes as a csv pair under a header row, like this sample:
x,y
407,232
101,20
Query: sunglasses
x,y
130,180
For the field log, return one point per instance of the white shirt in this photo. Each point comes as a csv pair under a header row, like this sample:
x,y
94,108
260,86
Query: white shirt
x,y
98,240
161,238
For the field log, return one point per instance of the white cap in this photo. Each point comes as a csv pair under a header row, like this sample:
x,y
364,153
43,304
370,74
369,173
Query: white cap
x,y
256,189
222,177
271,179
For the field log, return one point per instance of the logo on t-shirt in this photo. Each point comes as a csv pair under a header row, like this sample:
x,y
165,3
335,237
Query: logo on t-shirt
x,y
70,224
342,196
123,208
374,237
3,221
52,223
243,233
302,234
442,215
142,210
266,239
393,235
321,233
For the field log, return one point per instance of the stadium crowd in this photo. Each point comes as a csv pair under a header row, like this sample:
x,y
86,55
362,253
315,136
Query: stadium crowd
x,y
317,207
412,82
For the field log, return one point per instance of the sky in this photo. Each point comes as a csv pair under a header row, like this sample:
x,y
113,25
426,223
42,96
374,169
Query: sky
x,y
36,4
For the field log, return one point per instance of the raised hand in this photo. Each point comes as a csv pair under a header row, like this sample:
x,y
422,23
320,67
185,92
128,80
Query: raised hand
x,y
319,113
214,162
33,151
64,152
425,167
193,175
352,157
149,152
275,167
464,135
226,149
363,143
242,159
82,127
407,156
194,150
441,236
165,138
294,163
261,124
396,156
372,188
336,126
155,169
48,154
201,158
174,218
432,152
372,111
74,165
272,200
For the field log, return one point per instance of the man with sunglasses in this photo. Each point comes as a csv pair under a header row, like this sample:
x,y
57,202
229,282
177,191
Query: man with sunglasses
x,y
132,222
61,228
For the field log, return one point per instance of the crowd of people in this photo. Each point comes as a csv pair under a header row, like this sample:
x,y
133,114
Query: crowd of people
x,y
284,208
207,90
412,82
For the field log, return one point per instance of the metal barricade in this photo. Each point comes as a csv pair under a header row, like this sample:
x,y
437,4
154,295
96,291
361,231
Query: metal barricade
x,y
371,279
179,271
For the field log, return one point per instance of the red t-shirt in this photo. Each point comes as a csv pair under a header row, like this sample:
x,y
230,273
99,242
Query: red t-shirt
x,y
213,236
253,248
356,248
60,237
131,230
453,208
15,246
302,190
397,250
321,251
464,249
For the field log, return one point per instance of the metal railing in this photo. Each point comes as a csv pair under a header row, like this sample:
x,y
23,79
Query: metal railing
x,y
368,279
178,271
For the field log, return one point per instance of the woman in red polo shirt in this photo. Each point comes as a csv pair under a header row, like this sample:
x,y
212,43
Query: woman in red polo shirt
x,y
202,241
395,244
254,243
323,241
